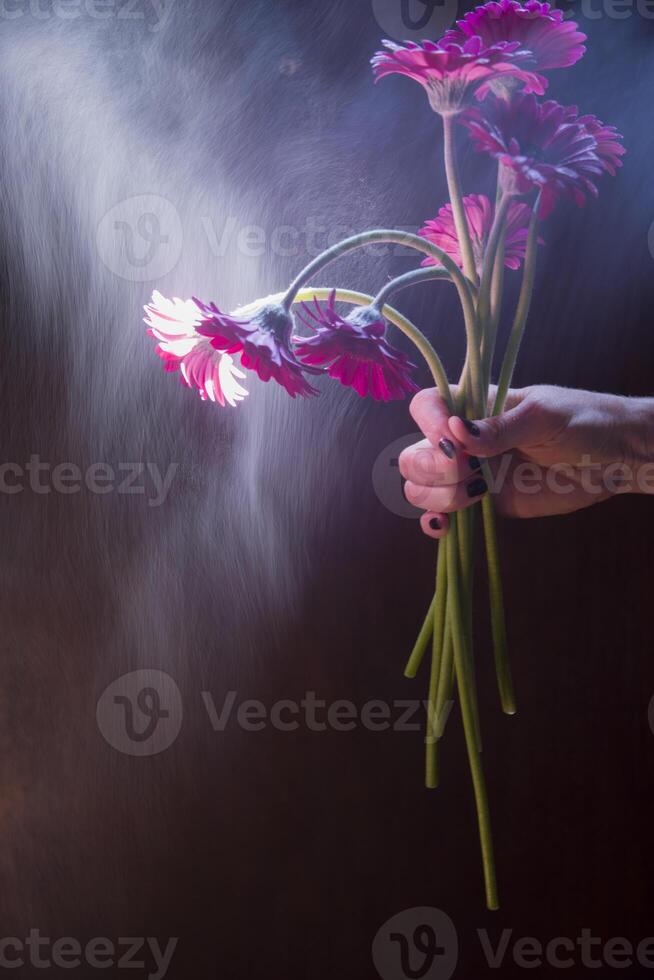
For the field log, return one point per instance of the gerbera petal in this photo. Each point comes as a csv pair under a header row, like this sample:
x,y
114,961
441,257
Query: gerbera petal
x,y
453,73
554,42
545,145
356,353
480,214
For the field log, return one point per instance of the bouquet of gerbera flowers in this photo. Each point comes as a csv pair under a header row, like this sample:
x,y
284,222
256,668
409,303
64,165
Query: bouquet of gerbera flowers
x,y
485,77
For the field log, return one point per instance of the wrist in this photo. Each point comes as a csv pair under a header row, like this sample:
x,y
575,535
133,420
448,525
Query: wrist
x,y
639,442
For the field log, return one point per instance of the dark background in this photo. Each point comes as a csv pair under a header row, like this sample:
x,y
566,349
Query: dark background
x,y
276,854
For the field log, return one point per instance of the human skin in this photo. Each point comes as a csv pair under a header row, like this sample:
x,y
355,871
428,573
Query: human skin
x,y
552,451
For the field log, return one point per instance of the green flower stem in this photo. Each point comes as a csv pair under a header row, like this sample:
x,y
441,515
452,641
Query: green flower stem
x,y
498,621
521,315
496,592
410,279
444,688
474,379
456,199
467,711
462,284
488,310
379,236
497,292
464,534
394,317
419,650
494,241
497,288
438,638
470,523
473,324
445,691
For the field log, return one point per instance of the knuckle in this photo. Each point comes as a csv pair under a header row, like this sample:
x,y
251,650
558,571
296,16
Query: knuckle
x,y
405,462
445,499
495,428
416,494
425,467
421,465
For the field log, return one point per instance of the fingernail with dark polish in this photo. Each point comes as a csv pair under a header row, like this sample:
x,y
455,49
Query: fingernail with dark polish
x,y
448,448
435,524
477,488
474,463
472,428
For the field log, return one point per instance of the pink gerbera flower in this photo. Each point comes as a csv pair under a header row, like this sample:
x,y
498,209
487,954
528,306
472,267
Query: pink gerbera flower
x,y
553,41
480,214
356,350
213,374
545,146
263,341
452,73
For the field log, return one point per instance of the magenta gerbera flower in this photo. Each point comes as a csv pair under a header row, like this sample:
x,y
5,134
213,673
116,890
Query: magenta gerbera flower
x,y
263,341
480,214
355,351
538,27
545,146
609,149
212,373
452,73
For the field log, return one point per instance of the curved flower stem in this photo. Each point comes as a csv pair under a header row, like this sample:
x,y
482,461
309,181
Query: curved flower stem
x,y
456,199
463,286
467,711
521,315
418,652
379,236
409,279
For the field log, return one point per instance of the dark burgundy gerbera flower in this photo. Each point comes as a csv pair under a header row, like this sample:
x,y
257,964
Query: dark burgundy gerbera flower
x,y
609,149
538,27
263,341
480,214
355,351
452,73
545,146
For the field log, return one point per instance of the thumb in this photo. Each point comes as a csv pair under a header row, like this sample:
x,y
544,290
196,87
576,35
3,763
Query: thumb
x,y
520,426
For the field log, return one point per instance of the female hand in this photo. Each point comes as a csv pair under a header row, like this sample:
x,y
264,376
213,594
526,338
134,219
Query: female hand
x,y
552,451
